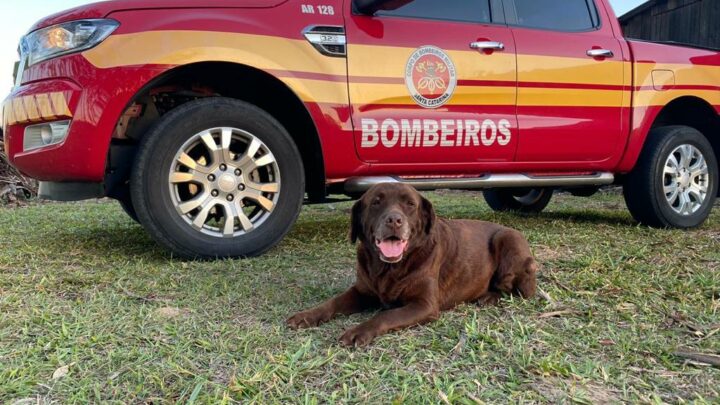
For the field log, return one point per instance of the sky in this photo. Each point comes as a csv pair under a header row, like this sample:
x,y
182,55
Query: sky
x,y
17,16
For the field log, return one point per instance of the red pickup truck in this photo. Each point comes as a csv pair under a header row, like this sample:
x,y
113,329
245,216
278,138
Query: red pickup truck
x,y
212,122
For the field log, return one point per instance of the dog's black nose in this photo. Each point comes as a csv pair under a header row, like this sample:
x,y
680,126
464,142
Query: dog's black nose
x,y
394,220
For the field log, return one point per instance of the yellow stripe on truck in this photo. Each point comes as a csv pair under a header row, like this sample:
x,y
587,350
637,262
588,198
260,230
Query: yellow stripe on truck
x,y
470,65
19,110
31,108
645,98
8,113
44,106
60,105
365,93
684,74
185,47
278,55
554,69
539,97
40,107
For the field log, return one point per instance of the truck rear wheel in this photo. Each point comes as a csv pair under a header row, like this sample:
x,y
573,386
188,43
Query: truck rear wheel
x,y
217,178
675,181
522,200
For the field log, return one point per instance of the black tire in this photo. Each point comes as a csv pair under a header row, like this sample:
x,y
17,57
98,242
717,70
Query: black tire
x,y
588,191
520,200
154,196
644,185
127,206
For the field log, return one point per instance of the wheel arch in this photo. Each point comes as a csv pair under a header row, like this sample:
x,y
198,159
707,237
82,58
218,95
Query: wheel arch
x,y
208,79
688,110
691,111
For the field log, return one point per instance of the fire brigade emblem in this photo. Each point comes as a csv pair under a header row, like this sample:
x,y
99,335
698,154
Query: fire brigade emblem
x,y
430,77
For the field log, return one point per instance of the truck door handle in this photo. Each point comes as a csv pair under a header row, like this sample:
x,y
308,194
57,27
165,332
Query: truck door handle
x,y
487,46
600,53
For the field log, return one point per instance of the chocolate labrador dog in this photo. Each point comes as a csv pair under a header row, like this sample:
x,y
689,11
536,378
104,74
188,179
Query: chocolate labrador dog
x,y
415,265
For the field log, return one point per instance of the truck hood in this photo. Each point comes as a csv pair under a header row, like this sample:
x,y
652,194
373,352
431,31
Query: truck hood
x,y
102,9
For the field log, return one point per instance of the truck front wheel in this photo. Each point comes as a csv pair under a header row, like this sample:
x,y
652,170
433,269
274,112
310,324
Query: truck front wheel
x,y
127,206
217,178
522,200
675,181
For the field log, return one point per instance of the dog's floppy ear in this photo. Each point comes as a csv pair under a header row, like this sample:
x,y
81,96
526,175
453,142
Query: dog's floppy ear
x,y
356,227
428,215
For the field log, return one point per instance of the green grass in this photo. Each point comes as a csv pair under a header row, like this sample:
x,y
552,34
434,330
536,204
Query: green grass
x,y
82,286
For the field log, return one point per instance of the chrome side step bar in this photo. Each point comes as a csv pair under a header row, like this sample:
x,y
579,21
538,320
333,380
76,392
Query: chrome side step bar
x,y
361,184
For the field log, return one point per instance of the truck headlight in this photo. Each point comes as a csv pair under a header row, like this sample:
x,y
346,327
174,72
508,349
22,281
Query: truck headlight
x,y
65,38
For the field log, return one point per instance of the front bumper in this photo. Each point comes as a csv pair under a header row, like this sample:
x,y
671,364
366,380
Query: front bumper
x,y
49,190
69,88
76,158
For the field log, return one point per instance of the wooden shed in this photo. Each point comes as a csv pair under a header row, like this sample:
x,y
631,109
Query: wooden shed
x,y
694,22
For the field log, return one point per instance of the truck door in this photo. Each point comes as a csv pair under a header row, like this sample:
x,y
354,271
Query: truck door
x,y
571,82
432,82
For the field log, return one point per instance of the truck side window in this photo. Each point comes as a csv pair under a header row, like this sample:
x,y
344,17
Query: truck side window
x,y
557,15
476,11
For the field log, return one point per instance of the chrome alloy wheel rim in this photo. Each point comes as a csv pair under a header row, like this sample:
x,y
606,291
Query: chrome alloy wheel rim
x,y
528,197
224,182
686,179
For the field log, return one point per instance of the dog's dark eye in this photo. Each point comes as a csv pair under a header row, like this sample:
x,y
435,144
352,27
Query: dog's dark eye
x,y
376,201
410,203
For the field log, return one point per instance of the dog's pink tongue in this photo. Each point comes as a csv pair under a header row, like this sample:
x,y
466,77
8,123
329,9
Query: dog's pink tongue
x,y
392,248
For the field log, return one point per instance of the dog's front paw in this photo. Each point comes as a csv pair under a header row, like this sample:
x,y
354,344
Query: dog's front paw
x,y
306,319
357,337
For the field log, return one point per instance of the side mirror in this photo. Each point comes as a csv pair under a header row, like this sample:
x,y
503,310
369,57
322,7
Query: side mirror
x,y
370,7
